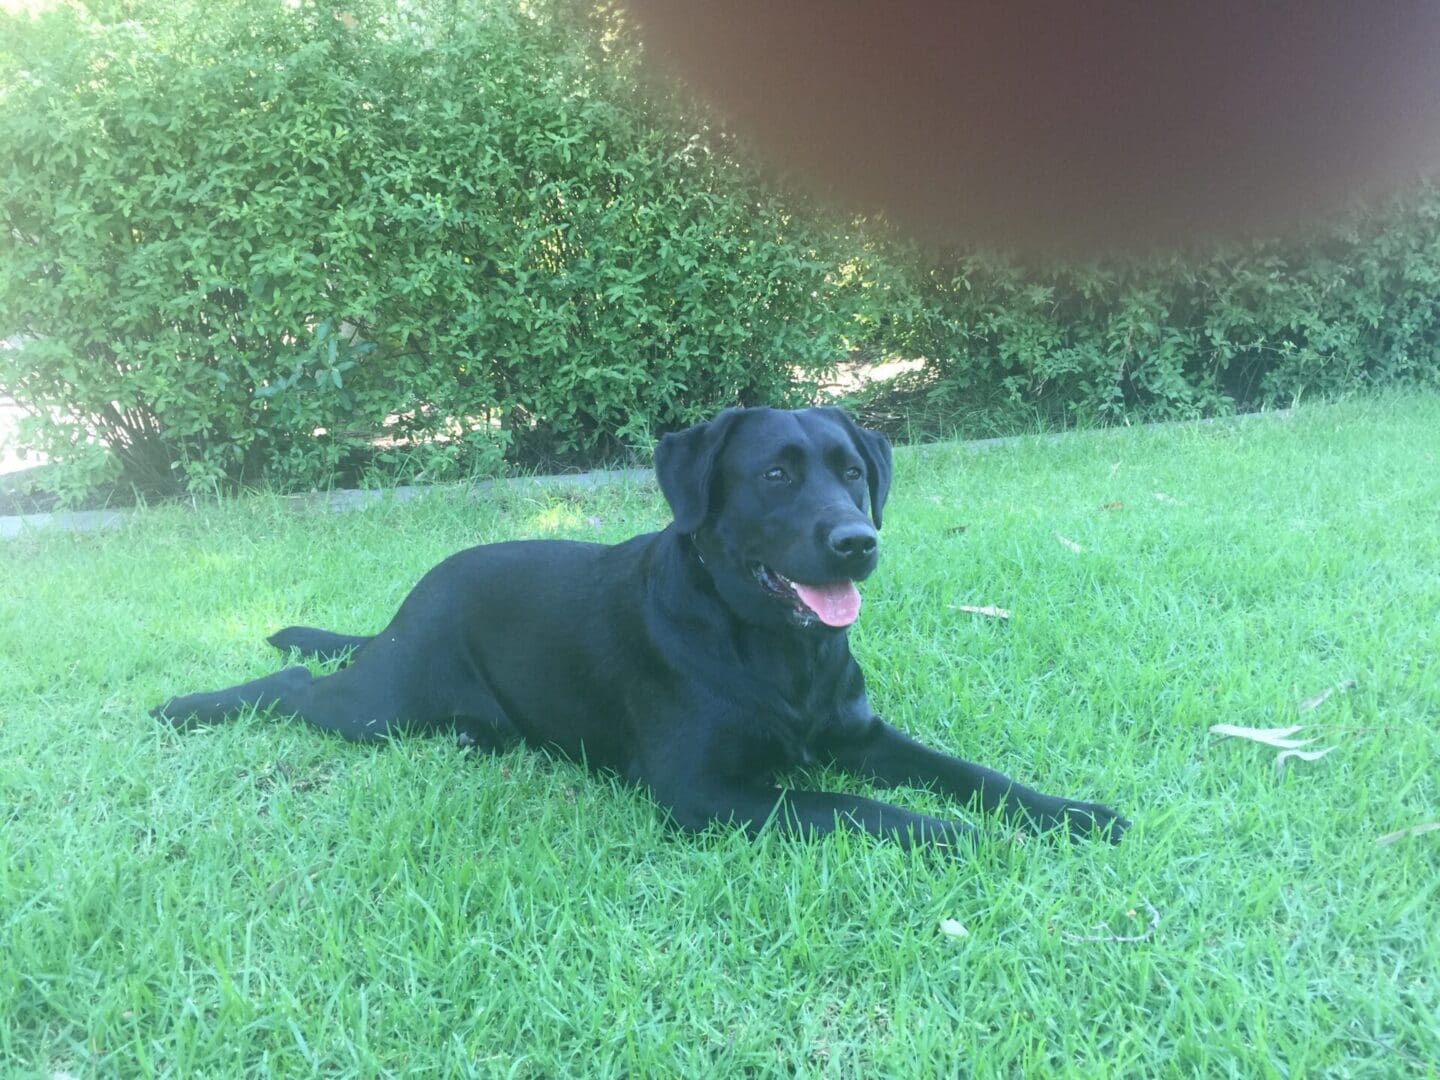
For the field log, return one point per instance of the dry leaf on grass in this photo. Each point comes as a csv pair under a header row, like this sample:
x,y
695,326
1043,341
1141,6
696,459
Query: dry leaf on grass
x,y
1324,695
310,873
989,612
1303,755
1275,736
1071,544
1145,935
953,928
1116,505
1160,496
1413,830
1280,738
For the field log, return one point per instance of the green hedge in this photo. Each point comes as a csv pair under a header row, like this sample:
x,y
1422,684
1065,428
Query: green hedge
x,y
267,240
232,225
1353,303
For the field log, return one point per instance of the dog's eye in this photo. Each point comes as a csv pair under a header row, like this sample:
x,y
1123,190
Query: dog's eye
x,y
852,473
777,474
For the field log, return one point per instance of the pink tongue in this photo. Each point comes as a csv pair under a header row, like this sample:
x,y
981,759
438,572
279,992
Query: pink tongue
x,y
837,605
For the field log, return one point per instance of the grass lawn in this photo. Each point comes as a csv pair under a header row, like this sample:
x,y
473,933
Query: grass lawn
x,y
262,898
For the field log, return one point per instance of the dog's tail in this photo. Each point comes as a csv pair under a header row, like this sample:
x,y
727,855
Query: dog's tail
x,y
317,644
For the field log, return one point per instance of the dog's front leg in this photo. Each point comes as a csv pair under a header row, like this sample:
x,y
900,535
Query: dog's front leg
x,y
887,756
805,813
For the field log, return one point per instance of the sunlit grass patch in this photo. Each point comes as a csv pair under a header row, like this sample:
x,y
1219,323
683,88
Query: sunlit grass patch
x,y
260,897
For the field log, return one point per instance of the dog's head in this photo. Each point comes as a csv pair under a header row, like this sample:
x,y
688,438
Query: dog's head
x,y
784,508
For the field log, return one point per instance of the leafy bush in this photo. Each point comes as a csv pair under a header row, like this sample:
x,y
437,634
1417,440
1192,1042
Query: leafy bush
x,y
1355,303
276,240
244,239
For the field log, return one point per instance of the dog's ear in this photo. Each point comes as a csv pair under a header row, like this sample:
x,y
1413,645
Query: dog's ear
x,y
685,464
874,450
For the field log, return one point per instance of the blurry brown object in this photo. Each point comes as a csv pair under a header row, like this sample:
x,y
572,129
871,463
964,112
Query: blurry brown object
x,y
1058,126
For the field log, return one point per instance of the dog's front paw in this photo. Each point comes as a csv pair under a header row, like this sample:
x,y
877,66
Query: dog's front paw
x,y
1084,819
168,713
182,713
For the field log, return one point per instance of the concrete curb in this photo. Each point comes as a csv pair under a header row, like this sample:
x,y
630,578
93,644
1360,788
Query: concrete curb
x,y
354,498
334,502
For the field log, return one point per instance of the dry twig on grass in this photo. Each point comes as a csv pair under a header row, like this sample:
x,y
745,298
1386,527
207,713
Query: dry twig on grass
x,y
1324,695
989,612
1413,830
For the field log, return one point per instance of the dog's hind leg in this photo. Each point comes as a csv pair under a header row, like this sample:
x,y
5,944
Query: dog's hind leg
x,y
346,702
391,685
316,644
194,710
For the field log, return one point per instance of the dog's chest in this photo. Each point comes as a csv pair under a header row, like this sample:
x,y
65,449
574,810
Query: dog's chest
x,y
804,692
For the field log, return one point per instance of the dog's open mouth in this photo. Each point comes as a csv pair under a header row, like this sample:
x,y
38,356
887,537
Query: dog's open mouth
x,y
836,604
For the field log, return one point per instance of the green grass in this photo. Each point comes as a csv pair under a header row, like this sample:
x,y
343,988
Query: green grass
x,y
261,898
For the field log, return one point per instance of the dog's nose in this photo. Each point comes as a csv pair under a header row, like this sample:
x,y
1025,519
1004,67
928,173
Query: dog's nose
x,y
853,540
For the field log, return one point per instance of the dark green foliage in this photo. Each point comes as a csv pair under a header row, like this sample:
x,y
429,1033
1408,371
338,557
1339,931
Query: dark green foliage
x,y
231,225
1353,304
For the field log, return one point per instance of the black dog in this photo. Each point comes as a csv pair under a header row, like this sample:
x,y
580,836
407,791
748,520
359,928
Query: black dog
x,y
697,661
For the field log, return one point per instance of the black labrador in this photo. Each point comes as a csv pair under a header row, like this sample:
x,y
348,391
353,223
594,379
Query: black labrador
x,y
698,661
